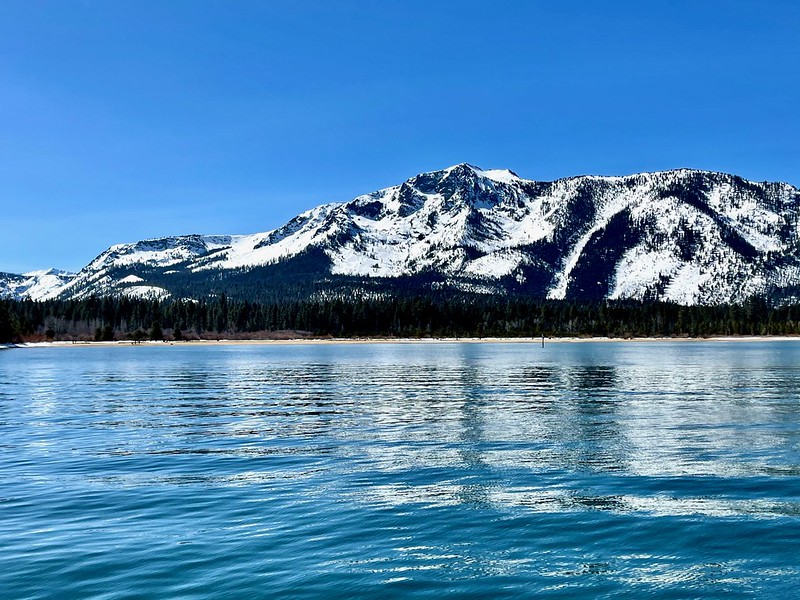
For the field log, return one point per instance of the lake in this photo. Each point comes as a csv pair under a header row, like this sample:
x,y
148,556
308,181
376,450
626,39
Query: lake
x,y
597,470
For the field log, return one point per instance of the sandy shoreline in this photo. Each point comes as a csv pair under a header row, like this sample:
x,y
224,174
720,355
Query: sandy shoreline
x,y
423,341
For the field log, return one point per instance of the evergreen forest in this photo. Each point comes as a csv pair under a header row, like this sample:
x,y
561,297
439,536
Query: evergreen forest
x,y
447,315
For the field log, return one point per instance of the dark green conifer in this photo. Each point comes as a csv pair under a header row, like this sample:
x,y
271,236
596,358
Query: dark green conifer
x,y
8,331
155,331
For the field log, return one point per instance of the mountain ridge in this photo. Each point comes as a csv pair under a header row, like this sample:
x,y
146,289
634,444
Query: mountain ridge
x,y
682,235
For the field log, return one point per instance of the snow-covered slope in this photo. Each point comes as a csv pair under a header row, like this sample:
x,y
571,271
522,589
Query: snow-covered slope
x,y
693,237
123,268
36,285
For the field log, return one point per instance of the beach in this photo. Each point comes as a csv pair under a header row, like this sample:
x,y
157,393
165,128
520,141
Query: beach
x,y
377,340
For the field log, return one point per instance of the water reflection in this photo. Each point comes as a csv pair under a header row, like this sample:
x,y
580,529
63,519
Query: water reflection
x,y
475,425
591,470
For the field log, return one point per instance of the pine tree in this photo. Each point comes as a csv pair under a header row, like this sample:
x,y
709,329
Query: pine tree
x,y
155,332
7,329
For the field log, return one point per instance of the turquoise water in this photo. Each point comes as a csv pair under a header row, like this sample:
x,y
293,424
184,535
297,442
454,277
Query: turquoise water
x,y
599,470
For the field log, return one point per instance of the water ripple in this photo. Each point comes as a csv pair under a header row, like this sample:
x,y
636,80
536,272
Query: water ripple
x,y
594,470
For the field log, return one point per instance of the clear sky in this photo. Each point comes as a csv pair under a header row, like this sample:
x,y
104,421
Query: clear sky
x,y
126,120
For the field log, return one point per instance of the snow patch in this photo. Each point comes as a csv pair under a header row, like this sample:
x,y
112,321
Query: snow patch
x,y
145,291
495,265
131,279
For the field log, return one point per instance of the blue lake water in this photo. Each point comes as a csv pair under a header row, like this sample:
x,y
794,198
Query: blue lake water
x,y
598,470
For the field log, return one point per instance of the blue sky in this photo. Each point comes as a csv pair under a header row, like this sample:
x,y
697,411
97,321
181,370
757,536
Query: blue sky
x,y
126,120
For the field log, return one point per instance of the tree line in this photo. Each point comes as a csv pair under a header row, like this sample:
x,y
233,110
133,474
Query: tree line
x,y
110,318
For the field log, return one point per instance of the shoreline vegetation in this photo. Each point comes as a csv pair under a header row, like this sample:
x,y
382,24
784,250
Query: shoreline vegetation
x,y
444,316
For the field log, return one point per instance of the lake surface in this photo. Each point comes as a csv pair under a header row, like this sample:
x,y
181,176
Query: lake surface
x,y
597,470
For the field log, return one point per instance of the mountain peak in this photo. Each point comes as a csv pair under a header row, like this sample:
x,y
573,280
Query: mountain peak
x,y
468,170
462,168
50,271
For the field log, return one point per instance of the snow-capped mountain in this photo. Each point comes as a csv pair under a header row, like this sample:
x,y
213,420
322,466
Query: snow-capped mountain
x,y
123,268
36,285
692,237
